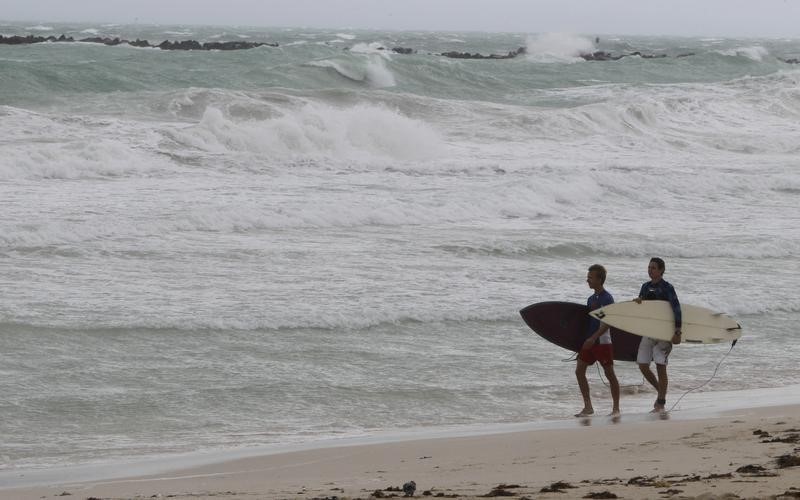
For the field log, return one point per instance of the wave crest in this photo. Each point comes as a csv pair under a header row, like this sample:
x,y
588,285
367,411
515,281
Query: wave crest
x,y
315,130
754,53
557,47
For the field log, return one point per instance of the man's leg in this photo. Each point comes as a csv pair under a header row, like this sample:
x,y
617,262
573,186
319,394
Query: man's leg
x,y
580,374
614,383
663,382
648,374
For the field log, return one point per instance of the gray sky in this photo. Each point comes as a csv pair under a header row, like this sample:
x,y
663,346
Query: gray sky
x,y
744,18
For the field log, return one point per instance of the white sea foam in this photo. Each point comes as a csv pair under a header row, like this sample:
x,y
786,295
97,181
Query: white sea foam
x,y
68,149
370,68
557,47
756,52
378,75
369,48
318,131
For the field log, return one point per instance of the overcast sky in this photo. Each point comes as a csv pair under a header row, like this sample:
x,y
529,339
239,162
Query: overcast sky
x,y
744,18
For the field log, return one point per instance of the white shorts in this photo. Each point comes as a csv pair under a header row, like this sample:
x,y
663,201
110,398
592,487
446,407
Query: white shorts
x,y
653,350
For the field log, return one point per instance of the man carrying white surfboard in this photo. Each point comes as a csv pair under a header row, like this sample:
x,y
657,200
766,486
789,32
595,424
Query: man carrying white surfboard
x,y
658,350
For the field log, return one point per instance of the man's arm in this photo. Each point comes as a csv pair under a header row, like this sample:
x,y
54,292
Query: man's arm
x,y
638,299
676,310
596,335
676,306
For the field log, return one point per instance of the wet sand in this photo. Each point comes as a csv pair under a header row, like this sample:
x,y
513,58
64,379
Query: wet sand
x,y
744,453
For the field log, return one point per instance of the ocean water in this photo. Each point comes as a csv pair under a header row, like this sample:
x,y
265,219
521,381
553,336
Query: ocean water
x,y
216,250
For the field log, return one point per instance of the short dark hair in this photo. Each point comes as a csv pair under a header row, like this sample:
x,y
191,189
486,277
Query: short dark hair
x,y
660,263
600,270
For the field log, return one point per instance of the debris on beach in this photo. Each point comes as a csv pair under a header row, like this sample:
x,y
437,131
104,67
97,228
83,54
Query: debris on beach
x,y
602,494
750,469
785,461
557,487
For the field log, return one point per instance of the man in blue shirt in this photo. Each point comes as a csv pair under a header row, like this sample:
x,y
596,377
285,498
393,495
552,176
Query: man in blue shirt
x,y
597,347
658,350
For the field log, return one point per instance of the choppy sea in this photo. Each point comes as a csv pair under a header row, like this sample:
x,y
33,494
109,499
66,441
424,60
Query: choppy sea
x,y
207,250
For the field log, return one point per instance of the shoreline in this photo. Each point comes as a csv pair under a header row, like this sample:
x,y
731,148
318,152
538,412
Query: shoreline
x,y
702,445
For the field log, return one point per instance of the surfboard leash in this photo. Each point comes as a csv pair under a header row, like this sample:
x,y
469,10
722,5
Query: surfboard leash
x,y
603,379
707,381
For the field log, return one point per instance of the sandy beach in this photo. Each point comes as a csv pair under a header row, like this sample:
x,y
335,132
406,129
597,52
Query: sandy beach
x,y
746,453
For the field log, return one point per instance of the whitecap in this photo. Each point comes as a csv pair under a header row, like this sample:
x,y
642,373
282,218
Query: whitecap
x,y
755,53
557,47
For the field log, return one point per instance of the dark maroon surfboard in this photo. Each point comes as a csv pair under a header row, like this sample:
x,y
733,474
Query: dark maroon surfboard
x,y
565,324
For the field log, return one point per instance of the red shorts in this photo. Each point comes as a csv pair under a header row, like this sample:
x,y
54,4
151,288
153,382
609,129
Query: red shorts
x,y
604,353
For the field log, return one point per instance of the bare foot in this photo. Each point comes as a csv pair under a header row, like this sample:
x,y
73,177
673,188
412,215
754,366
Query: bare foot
x,y
586,412
614,413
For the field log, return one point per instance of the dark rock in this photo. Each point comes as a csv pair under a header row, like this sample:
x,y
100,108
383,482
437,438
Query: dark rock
x,y
165,45
19,40
235,45
599,56
791,438
726,475
182,45
467,55
557,487
602,494
785,461
750,469
497,492
104,41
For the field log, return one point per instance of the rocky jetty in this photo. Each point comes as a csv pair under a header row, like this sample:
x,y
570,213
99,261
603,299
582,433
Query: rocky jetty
x,y
599,55
165,45
466,55
589,56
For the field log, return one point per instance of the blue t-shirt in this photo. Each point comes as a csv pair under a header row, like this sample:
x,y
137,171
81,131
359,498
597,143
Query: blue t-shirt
x,y
662,291
596,301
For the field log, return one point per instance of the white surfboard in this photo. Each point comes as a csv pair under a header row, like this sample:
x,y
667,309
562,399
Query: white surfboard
x,y
655,319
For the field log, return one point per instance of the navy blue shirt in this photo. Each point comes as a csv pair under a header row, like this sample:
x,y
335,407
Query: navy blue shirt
x,y
662,291
596,301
